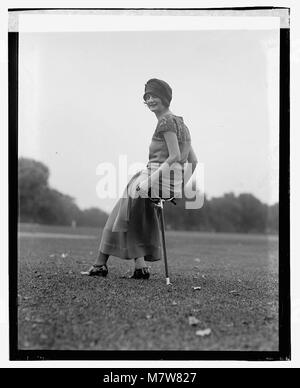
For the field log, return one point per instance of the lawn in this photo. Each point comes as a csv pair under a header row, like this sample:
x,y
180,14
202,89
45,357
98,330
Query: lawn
x,y
236,294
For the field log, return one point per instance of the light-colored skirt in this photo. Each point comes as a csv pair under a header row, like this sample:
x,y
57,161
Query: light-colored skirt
x,y
132,228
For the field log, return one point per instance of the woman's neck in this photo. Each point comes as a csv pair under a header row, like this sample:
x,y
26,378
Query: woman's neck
x,y
162,113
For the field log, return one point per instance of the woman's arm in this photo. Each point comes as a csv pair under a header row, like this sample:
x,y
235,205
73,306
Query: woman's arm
x,y
192,158
173,148
174,156
190,166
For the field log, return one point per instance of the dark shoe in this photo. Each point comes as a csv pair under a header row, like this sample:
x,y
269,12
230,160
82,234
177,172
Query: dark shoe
x,y
141,273
97,270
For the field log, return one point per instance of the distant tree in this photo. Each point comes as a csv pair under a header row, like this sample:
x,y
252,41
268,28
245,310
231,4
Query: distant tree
x,y
273,217
225,214
57,208
253,214
180,218
37,201
92,217
33,182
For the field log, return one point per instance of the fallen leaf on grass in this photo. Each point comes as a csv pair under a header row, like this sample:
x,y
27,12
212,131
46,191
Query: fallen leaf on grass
x,y
203,333
127,274
38,320
193,321
268,319
234,292
197,288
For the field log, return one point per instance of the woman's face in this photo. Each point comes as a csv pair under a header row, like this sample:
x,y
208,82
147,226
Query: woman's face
x,y
154,103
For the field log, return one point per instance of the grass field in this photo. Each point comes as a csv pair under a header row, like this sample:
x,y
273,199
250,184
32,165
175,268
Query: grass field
x,y
60,309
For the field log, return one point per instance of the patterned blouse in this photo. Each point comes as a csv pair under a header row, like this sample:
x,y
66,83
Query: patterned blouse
x,y
158,150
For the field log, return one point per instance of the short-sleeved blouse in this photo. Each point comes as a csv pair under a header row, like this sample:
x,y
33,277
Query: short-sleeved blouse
x,y
158,150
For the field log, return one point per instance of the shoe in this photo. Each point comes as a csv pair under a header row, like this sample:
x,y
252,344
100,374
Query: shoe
x,y
97,270
141,273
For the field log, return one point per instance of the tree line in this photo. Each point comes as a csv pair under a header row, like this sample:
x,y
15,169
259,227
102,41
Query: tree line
x,y
39,203
230,213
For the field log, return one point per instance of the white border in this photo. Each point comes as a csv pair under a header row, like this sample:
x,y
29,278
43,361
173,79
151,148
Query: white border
x,y
295,193
88,23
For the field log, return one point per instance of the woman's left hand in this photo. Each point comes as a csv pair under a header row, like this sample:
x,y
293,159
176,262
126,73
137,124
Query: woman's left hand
x,y
143,187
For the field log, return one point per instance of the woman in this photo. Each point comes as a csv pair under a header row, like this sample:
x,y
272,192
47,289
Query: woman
x,y
132,229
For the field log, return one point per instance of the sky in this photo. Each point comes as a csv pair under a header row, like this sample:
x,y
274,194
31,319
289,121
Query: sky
x,y
80,105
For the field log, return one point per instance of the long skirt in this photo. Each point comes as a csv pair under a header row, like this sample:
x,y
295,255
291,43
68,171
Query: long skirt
x,y
132,228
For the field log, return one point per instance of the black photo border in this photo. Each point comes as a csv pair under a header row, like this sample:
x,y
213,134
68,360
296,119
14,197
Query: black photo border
x,y
284,352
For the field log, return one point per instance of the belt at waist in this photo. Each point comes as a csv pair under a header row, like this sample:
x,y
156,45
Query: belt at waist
x,y
155,165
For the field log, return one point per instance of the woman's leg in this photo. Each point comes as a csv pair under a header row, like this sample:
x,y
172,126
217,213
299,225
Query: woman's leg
x,y
141,271
139,262
99,268
101,259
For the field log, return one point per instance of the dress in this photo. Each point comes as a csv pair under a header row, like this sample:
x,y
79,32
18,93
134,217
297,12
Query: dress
x,y
132,228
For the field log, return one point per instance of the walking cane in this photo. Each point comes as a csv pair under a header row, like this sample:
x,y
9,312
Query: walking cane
x,y
158,202
160,208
